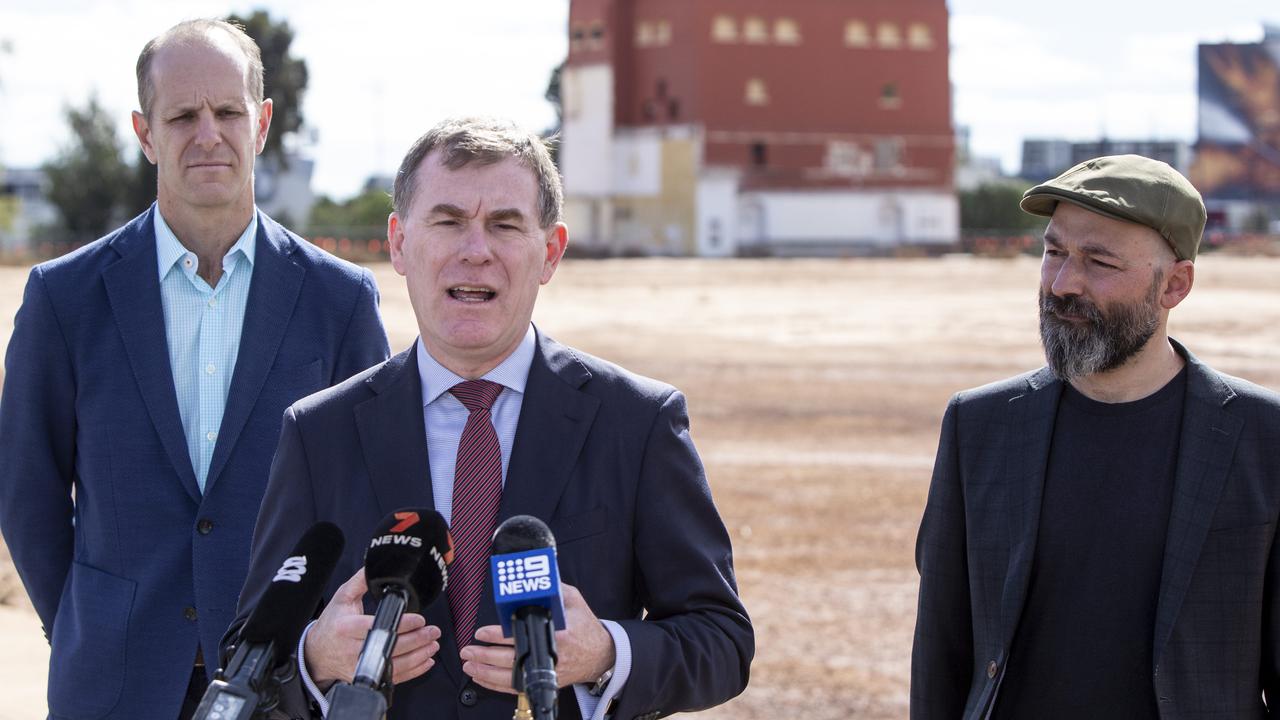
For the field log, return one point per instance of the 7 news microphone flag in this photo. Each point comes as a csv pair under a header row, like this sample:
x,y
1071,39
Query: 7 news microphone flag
x,y
248,685
406,569
526,594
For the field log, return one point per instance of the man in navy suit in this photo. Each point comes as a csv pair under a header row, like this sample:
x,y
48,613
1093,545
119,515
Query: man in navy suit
x,y
1100,535
654,622
145,381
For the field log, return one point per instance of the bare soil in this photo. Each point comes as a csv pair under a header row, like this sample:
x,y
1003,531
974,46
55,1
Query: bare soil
x,y
815,389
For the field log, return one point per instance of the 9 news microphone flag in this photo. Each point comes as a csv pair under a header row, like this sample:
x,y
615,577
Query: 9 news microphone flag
x,y
268,639
526,593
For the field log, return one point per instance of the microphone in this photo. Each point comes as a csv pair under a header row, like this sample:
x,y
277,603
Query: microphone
x,y
526,590
405,567
269,638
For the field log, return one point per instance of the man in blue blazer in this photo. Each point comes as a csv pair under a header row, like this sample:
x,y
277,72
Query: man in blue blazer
x,y
145,381
654,622
1100,535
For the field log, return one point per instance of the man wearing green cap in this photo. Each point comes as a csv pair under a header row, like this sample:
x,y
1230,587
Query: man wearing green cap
x,y
1099,539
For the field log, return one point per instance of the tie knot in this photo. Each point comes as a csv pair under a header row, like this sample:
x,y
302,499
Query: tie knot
x,y
476,394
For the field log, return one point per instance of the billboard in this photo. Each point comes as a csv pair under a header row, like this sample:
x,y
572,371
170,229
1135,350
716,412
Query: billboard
x,y
1238,151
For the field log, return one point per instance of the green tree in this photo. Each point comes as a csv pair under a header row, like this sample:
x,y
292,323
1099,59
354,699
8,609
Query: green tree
x,y
993,207
285,78
363,217
88,178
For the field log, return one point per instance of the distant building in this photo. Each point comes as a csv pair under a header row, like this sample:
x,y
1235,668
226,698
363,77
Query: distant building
x,y
1237,166
283,192
23,210
973,171
1044,159
722,127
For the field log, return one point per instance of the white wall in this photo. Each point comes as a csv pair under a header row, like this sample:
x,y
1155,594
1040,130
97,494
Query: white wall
x,y
717,214
878,218
637,164
586,144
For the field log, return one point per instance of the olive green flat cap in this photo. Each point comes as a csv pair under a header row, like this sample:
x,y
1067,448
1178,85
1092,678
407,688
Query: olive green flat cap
x,y
1131,188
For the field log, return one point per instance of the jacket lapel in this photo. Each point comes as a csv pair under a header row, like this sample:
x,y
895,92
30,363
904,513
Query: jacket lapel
x,y
1205,448
1028,437
133,290
393,439
273,292
554,419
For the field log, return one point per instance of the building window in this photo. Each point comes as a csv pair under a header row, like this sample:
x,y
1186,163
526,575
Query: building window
x,y
755,30
662,33
653,34
759,154
645,32
595,36
786,32
919,37
856,34
887,35
756,93
889,97
724,29
673,108
888,154
577,38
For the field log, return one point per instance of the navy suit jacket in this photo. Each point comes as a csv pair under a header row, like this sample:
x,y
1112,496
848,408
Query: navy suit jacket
x,y
1217,625
129,566
601,455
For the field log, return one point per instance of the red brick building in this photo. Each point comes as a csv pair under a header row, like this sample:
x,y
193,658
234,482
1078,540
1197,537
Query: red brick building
x,y
722,126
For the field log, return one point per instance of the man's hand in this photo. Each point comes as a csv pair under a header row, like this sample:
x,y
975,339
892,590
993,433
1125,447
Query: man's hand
x,y
584,649
334,643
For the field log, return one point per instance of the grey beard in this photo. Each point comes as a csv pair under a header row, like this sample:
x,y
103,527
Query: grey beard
x,y
1104,342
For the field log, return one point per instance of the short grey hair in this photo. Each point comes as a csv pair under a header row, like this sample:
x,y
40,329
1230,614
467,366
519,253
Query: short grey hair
x,y
196,31
462,141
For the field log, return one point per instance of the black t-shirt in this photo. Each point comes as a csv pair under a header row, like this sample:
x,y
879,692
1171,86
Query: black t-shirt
x,y
1083,644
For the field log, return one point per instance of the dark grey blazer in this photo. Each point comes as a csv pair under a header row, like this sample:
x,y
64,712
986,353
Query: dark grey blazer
x,y
1217,636
603,456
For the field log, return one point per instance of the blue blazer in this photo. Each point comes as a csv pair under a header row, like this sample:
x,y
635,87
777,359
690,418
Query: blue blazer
x,y
1216,648
603,456
129,566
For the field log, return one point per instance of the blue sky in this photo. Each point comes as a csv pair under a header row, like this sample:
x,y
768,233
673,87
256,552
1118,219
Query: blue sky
x,y
382,71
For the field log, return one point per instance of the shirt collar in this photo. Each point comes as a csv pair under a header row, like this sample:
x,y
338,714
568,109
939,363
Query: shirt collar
x,y
169,250
511,373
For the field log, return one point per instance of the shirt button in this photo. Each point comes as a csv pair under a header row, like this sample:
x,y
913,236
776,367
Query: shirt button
x,y
209,368
186,262
189,613
991,669
205,526
213,302
211,436
469,697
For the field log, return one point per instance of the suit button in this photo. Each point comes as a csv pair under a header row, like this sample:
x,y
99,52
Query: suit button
x,y
189,613
992,668
205,526
469,697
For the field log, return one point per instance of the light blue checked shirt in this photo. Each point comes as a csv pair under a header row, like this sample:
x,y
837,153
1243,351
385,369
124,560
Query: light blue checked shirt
x,y
445,417
202,326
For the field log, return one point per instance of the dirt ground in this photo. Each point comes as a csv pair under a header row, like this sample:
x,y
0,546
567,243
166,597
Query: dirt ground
x,y
815,389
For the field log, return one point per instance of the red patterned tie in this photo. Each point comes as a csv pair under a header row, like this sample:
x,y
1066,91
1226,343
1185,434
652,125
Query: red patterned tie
x,y
477,489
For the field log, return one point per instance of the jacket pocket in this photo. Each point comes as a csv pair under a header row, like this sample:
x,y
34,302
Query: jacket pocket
x,y
577,527
87,652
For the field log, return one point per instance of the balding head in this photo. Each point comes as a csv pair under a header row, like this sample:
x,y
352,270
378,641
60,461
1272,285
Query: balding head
x,y
213,33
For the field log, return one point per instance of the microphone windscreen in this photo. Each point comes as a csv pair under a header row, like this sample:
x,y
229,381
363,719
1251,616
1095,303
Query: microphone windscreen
x,y
290,601
398,554
519,533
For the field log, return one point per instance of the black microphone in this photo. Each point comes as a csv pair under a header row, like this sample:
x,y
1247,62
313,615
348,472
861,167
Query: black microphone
x,y
526,589
405,567
269,638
